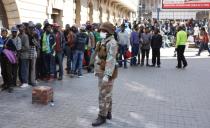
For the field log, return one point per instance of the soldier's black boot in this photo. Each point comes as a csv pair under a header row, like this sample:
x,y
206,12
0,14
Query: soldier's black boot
x,y
109,116
99,121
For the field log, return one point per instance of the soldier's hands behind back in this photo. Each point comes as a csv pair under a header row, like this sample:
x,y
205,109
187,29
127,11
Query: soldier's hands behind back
x,y
105,79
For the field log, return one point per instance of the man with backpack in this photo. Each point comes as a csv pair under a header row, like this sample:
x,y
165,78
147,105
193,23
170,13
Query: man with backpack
x,y
79,48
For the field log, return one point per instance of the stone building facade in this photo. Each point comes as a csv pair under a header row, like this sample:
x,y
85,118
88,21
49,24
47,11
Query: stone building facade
x,y
66,11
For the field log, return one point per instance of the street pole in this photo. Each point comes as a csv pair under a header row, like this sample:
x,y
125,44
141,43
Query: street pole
x,y
158,14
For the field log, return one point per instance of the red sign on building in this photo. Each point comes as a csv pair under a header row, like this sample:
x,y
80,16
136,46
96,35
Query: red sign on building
x,y
186,4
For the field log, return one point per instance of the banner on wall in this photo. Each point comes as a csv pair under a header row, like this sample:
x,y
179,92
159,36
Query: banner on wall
x,y
185,4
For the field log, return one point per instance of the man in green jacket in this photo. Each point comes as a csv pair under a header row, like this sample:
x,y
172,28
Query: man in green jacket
x,y
181,39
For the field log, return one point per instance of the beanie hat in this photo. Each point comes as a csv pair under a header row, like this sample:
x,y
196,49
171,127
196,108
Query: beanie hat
x,y
108,27
14,29
31,24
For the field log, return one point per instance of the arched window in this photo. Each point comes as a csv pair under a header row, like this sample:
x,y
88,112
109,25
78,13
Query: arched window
x,y
3,16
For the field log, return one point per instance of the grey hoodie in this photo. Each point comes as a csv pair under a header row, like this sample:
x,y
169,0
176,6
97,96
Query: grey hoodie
x,y
24,54
146,40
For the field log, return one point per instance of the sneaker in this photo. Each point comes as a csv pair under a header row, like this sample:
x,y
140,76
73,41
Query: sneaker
x,y
178,67
197,54
80,76
60,78
10,90
152,65
24,85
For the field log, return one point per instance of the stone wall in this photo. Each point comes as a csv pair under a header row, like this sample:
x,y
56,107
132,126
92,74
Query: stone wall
x,y
12,12
95,11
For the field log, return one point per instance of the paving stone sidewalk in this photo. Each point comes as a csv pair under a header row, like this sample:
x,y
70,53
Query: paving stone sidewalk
x,y
143,98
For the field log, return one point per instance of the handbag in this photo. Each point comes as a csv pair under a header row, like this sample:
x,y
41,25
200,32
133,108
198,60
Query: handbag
x,y
127,54
11,56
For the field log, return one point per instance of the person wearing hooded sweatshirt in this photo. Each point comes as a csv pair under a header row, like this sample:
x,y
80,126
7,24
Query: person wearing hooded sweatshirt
x,y
24,57
145,48
47,50
106,71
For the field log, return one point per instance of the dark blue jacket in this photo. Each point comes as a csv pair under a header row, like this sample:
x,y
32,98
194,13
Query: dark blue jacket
x,y
1,44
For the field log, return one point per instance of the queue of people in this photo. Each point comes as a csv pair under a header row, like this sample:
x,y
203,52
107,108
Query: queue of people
x,y
37,53
32,53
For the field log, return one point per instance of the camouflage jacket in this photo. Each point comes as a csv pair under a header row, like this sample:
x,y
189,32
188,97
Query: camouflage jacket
x,y
105,59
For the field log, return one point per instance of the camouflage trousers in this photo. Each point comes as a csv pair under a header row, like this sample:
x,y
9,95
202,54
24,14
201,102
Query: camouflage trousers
x,y
105,97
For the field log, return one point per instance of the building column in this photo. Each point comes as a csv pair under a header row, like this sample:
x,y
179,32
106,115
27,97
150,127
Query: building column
x,y
90,10
96,12
12,12
77,11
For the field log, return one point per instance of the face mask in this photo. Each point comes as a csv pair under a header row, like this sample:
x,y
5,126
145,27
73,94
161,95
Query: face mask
x,y
103,35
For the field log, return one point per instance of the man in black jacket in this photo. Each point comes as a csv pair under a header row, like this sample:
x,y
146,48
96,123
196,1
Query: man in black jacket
x,y
156,44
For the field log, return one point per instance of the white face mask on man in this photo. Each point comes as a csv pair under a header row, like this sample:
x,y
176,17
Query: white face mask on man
x,y
103,35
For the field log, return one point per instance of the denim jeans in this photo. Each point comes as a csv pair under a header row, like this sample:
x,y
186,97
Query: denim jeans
x,y
135,51
32,71
122,51
203,46
59,60
78,58
24,70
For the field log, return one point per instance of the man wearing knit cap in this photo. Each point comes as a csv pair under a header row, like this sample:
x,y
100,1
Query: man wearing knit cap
x,y
17,42
106,71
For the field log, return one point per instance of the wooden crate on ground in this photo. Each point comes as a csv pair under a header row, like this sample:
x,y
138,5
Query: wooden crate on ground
x,y
42,95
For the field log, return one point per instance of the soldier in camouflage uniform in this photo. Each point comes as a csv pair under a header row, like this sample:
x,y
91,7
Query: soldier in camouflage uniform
x,y
106,71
